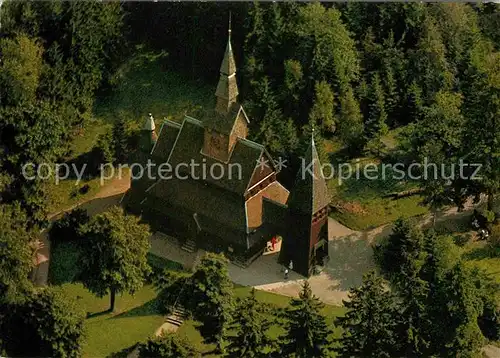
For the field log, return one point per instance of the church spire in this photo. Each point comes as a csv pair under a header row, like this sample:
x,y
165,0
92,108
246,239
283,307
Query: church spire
x,y
227,88
310,193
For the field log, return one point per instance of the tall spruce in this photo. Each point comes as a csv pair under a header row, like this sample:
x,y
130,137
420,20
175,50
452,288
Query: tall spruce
x,y
249,329
211,297
350,121
323,107
371,321
306,329
120,140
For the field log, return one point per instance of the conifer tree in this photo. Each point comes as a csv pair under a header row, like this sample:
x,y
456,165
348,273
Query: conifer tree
x,y
306,329
370,323
350,122
211,297
415,103
461,306
120,140
403,255
322,110
376,123
249,326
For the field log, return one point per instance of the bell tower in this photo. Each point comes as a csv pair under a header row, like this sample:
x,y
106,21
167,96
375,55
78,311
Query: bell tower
x,y
228,122
306,242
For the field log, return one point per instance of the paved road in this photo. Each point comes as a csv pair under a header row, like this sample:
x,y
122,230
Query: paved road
x,y
109,195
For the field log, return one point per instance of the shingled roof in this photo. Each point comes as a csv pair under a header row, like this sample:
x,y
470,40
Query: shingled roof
x,y
310,193
187,147
228,65
166,139
221,122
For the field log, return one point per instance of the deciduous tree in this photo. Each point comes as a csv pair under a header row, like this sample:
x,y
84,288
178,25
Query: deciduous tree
x,y
211,297
16,256
46,324
115,258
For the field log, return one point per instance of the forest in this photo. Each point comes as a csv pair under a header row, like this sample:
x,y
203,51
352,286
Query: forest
x,y
426,76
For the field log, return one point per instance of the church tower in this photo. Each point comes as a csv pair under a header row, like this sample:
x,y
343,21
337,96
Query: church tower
x,y
306,241
227,88
228,122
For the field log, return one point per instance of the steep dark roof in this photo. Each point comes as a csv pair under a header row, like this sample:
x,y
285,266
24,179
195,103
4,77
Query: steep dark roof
x,y
228,66
221,122
188,146
166,138
204,199
310,193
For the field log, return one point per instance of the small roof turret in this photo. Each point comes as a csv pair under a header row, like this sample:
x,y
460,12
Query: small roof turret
x,y
149,125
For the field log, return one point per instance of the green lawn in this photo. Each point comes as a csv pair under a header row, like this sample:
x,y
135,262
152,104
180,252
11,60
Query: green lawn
x,y
136,316
480,255
135,319
362,203
144,87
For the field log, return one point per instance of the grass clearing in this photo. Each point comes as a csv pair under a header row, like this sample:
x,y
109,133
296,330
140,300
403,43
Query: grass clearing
x,y
144,87
135,319
363,202
136,316
480,255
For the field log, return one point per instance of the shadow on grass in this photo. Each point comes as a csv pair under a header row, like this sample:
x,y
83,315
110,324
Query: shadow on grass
x,y
123,353
98,314
145,87
481,253
147,309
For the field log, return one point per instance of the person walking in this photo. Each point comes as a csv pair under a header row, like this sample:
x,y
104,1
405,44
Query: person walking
x,y
290,265
286,274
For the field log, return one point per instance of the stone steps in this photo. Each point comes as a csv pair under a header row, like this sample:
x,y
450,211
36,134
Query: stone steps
x,y
240,263
189,246
178,316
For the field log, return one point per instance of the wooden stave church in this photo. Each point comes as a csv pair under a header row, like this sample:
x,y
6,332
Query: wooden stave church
x,y
248,211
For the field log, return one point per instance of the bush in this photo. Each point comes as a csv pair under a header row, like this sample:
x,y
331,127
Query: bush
x,y
169,345
67,228
462,240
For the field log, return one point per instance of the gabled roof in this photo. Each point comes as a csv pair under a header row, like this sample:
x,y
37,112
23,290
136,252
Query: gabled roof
x,y
310,193
188,144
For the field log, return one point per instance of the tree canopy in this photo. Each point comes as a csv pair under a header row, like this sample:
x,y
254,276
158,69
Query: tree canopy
x,y
115,257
